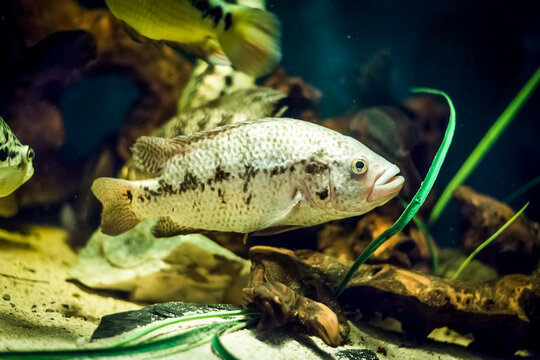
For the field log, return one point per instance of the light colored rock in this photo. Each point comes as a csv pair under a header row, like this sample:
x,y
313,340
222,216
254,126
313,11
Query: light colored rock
x,y
189,268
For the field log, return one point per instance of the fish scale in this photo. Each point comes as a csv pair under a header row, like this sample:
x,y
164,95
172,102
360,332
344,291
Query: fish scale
x,y
263,175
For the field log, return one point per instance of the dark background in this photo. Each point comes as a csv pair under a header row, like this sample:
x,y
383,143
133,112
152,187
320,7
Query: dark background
x,y
480,52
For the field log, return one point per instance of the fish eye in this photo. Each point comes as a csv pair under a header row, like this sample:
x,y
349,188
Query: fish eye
x,y
30,154
359,166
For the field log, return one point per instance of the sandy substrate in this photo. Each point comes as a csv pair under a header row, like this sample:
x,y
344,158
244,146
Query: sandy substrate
x,y
39,309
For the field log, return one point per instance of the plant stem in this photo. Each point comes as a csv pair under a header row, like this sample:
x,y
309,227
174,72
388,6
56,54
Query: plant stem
x,y
172,321
522,189
429,239
486,243
430,243
218,346
485,144
418,198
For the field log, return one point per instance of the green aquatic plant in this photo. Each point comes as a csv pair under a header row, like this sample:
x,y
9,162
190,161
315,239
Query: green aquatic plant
x,y
486,243
218,314
171,345
485,145
429,239
418,198
430,243
218,346
522,190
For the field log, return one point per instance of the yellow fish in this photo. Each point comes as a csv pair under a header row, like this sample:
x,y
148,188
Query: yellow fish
x,y
214,30
15,161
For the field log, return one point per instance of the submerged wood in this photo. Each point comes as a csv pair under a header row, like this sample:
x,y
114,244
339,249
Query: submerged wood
x,y
502,316
289,291
302,98
515,250
407,248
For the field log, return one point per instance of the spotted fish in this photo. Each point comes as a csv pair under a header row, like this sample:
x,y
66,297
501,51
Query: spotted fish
x,y
240,105
264,176
15,161
218,32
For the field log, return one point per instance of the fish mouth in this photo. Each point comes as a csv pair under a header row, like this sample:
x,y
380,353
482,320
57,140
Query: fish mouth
x,y
386,185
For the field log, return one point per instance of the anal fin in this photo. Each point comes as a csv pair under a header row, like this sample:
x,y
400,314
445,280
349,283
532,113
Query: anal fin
x,y
166,227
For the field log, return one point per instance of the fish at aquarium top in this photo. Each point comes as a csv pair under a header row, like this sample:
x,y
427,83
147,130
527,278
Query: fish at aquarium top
x,y
263,176
218,32
15,161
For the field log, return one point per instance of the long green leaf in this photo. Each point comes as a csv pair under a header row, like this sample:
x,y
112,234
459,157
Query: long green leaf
x,y
485,145
429,239
522,189
172,321
418,198
154,348
486,243
218,346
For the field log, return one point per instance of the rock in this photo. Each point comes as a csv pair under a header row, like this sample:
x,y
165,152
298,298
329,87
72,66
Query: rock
x,y
181,268
515,250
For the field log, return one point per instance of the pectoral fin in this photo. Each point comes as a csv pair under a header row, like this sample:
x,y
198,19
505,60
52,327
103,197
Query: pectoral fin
x,y
273,222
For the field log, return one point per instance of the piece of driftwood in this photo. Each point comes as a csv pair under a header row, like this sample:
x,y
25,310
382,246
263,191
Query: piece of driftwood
x,y
515,250
289,291
503,316
158,71
406,249
302,98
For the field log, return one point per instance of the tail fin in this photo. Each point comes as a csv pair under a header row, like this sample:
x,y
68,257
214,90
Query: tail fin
x,y
116,196
252,40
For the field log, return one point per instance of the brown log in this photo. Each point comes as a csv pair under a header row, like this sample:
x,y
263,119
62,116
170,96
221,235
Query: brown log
x,y
503,316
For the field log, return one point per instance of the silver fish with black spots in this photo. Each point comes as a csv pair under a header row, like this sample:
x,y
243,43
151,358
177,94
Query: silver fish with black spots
x,y
265,176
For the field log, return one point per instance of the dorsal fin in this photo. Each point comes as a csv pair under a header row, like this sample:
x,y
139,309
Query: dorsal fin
x,y
151,153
